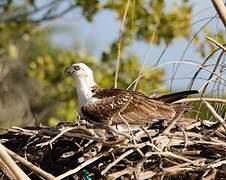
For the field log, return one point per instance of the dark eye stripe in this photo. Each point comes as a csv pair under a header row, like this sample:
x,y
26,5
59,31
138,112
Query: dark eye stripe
x,y
77,68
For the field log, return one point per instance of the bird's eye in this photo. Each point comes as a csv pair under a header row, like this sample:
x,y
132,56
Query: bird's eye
x,y
77,68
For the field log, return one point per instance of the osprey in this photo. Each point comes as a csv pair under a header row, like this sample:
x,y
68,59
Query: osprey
x,y
99,105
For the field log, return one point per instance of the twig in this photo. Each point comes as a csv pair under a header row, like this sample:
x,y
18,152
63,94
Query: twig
x,y
173,122
118,174
196,124
199,70
216,43
6,171
211,75
221,10
180,62
116,161
211,176
217,116
112,129
30,165
219,134
185,137
172,155
211,143
131,132
198,136
83,136
11,165
128,126
186,48
119,43
24,131
217,100
50,142
174,169
177,169
86,163
148,135
189,153
148,51
217,164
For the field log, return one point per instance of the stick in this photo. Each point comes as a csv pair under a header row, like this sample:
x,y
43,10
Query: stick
x,y
211,174
172,155
50,142
189,127
11,165
34,168
119,43
174,169
215,165
84,164
217,116
199,99
6,171
118,174
148,51
180,62
221,10
116,161
173,122
185,137
216,43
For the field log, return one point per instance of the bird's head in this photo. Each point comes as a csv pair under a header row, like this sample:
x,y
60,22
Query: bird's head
x,y
79,70
82,74
84,81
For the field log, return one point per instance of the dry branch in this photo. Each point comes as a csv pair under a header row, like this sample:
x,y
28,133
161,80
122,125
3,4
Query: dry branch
x,y
30,165
11,165
86,163
217,116
216,43
221,10
216,100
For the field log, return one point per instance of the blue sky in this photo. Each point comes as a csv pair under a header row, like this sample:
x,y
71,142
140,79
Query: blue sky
x,y
76,33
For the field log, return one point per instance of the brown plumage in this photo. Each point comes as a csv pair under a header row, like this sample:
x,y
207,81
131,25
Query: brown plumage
x,y
134,107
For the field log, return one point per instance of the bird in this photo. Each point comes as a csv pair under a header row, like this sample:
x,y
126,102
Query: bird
x,y
101,105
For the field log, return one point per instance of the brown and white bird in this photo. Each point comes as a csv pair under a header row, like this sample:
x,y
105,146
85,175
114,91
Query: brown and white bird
x,y
98,105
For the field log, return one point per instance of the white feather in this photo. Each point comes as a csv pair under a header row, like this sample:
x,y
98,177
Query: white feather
x,y
84,84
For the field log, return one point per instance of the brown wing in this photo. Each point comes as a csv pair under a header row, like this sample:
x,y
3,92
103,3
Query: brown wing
x,y
135,108
146,110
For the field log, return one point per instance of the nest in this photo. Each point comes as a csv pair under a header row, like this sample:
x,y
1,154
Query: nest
x,y
194,151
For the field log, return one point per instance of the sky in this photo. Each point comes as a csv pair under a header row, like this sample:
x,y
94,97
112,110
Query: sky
x,y
75,32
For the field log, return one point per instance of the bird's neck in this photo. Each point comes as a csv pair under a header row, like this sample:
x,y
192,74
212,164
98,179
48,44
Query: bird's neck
x,y
84,88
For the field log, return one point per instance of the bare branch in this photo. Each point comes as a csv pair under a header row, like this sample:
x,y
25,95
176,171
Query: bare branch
x,y
217,116
11,165
221,10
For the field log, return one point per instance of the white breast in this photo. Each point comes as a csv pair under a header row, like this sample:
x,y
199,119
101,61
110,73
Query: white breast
x,y
93,100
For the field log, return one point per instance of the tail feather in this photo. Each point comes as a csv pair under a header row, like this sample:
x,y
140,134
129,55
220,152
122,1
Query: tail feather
x,y
169,98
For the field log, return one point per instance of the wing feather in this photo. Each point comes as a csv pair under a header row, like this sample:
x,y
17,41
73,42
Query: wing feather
x,y
135,108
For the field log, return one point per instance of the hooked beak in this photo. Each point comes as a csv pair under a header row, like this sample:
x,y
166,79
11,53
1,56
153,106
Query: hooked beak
x,y
68,70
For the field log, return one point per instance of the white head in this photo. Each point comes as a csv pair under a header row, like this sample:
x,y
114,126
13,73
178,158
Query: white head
x,y
84,81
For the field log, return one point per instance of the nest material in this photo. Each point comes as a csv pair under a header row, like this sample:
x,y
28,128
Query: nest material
x,y
194,151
